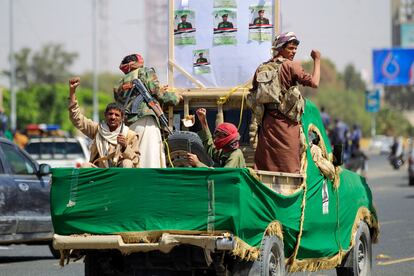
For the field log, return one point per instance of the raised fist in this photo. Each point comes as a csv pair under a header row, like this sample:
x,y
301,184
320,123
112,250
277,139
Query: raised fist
x,y
74,83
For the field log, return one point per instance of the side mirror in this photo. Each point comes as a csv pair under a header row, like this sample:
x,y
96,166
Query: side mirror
x,y
44,169
338,155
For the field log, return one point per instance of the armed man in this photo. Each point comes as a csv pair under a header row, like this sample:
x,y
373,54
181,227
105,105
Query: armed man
x,y
144,115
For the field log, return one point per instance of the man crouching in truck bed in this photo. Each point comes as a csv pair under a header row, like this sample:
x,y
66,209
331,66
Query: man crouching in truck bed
x,y
223,146
114,144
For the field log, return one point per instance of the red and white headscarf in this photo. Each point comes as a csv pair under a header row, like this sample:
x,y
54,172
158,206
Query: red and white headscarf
x,y
226,137
132,65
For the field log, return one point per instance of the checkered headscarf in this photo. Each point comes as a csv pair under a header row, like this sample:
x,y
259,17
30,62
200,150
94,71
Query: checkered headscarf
x,y
282,39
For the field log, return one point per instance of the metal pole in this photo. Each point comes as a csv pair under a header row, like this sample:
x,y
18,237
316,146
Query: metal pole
x,y
12,72
373,125
94,59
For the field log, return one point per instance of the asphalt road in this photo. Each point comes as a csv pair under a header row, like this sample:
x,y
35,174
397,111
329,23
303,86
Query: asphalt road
x,y
393,199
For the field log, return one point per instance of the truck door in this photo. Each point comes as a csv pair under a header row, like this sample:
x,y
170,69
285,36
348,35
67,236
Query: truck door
x,y
31,205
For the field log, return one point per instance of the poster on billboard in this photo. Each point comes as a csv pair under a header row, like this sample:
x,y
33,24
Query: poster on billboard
x,y
221,31
393,67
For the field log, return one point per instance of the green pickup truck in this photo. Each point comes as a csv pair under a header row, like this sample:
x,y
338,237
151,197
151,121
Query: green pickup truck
x,y
205,221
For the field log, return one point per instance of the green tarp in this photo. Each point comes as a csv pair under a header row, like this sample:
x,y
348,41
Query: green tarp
x,y
107,201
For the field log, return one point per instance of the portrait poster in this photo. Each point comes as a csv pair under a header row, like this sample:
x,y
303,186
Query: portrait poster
x,y
185,30
230,65
225,4
201,61
225,27
260,26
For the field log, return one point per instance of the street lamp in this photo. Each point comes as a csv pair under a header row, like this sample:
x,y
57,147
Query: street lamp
x,y
12,72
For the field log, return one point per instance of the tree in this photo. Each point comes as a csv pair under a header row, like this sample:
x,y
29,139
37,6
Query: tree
x,y
48,66
352,79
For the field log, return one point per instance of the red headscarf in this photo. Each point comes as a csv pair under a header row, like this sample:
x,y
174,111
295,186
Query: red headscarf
x,y
132,65
226,137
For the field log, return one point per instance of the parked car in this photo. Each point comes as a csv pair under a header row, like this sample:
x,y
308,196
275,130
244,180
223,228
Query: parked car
x,y
24,198
59,151
381,144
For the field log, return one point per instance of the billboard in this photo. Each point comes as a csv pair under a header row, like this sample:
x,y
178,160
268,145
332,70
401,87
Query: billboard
x,y
393,67
407,35
233,34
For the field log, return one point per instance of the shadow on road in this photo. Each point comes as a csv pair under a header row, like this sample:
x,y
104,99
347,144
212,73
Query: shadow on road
x,y
20,259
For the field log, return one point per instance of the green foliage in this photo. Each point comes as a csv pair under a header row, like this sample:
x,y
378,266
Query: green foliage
x,y
50,65
106,81
48,104
352,79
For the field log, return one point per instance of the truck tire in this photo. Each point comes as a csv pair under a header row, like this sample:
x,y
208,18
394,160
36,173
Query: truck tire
x,y
55,253
271,261
360,263
187,141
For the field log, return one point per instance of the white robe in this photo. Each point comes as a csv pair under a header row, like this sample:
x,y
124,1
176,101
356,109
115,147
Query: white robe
x,y
150,143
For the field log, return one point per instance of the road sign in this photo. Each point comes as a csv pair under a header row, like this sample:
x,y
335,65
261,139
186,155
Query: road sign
x,y
372,101
393,66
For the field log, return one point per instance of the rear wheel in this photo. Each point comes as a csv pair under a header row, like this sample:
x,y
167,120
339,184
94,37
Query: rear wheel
x,y
271,261
360,263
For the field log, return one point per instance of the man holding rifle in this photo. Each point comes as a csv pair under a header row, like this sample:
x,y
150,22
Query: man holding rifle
x,y
114,144
140,93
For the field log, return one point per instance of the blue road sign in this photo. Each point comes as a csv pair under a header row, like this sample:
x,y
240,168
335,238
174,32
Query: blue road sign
x,y
372,101
393,67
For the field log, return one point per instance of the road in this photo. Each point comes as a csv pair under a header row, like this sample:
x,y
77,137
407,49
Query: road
x,y
393,199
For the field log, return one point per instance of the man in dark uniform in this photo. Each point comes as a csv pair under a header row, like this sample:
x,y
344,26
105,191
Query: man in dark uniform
x,y
201,59
184,24
225,24
261,19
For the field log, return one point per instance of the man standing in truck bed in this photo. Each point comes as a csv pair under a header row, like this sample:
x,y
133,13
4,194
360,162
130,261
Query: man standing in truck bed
x,y
278,147
139,116
113,145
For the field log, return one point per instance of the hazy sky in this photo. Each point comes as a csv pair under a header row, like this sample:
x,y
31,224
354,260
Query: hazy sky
x,y
345,31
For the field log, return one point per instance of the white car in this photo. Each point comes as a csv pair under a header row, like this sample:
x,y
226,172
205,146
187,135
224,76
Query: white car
x,y
381,144
59,152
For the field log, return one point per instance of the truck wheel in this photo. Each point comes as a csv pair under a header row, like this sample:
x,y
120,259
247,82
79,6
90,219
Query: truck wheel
x,y
361,254
272,257
271,261
55,253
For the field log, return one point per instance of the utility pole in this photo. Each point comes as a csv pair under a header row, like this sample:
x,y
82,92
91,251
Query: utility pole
x,y
94,59
12,72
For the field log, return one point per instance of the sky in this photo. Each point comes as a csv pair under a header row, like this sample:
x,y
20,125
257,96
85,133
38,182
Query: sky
x,y
345,31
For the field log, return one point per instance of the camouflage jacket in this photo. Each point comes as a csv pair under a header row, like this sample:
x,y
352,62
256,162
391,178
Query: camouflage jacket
x,y
135,106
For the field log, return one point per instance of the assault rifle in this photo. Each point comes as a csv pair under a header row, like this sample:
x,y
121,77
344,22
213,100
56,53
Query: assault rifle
x,y
142,90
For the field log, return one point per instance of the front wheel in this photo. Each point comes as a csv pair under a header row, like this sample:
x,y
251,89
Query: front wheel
x,y
360,254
